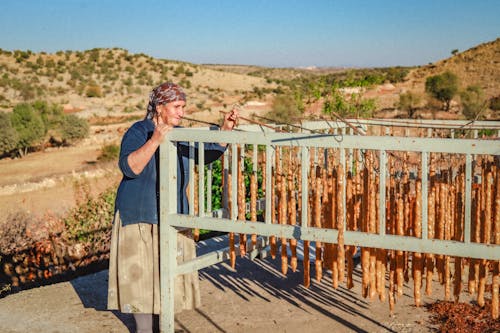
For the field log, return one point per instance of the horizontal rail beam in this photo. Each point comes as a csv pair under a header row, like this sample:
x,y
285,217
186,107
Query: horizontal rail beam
x,y
389,242
429,123
216,256
463,146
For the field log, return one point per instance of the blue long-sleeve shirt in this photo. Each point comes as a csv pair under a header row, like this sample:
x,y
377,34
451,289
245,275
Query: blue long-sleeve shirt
x,y
137,198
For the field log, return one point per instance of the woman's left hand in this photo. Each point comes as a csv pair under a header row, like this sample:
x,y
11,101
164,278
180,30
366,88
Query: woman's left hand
x,y
230,120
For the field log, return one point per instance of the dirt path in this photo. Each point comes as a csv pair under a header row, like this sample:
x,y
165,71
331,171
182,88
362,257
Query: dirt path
x,y
45,181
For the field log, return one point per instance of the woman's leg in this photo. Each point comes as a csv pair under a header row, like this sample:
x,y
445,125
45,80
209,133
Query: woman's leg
x,y
143,322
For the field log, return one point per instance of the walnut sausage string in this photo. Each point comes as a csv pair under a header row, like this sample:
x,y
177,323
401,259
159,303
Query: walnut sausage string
x,y
486,232
326,215
253,198
292,211
232,251
272,238
196,232
241,200
283,208
334,218
350,225
399,254
431,218
496,237
372,222
417,257
340,225
317,222
365,252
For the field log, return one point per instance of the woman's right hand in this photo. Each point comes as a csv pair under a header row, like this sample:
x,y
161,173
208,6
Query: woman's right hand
x,y
138,159
161,129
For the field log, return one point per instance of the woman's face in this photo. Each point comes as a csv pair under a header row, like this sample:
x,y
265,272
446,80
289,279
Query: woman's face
x,y
171,113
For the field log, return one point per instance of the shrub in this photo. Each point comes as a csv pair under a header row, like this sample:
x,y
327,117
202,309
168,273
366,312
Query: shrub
x,y
443,87
73,128
353,105
93,90
128,82
29,126
92,218
26,91
473,102
185,83
8,135
14,235
51,114
284,109
495,103
109,152
396,74
409,102
179,70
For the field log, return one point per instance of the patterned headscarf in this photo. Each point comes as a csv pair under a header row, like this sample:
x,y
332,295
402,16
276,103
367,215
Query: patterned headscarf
x,y
165,93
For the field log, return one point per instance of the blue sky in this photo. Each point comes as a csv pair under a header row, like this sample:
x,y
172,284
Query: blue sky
x,y
271,33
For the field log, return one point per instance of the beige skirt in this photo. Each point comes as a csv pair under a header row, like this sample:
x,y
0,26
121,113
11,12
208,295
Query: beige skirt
x,y
134,278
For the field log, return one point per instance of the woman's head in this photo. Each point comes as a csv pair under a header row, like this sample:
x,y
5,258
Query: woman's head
x,y
166,103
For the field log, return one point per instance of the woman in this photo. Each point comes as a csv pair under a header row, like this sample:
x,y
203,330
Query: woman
x,y
134,261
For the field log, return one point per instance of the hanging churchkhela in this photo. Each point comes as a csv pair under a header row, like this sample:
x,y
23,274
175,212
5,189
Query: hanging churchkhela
x,y
345,197
241,199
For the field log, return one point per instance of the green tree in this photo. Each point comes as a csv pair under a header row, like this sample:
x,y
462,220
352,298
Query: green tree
x,y
8,135
473,102
409,102
353,105
336,103
363,107
73,128
51,114
442,87
28,125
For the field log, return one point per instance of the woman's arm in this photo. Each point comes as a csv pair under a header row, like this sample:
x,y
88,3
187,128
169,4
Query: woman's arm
x,y
138,159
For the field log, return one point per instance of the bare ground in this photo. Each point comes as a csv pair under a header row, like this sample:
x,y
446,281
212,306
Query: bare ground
x,y
255,297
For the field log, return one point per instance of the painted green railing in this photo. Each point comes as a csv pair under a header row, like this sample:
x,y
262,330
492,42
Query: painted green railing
x,y
344,144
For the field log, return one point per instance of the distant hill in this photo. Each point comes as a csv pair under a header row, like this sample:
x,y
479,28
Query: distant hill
x,y
479,65
114,79
102,82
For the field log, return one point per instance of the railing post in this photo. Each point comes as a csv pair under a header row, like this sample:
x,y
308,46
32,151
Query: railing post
x,y
343,180
468,198
425,194
201,179
168,234
191,174
234,182
382,194
209,189
269,175
304,156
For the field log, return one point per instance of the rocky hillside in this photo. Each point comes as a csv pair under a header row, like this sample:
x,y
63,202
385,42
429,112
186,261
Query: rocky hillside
x,y
479,65
104,81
